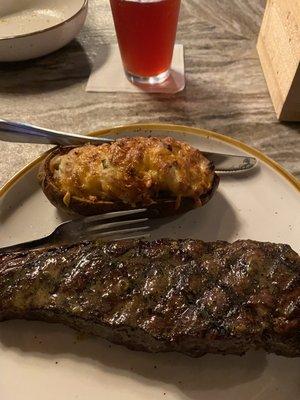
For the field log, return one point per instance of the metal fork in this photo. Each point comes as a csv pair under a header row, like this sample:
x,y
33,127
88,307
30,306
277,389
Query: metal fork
x,y
105,226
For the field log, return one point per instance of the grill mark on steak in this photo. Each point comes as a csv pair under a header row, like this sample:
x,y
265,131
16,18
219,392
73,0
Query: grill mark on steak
x,y
169,295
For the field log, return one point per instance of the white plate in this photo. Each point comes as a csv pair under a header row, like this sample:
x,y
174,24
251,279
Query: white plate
x,y
43,361
33,28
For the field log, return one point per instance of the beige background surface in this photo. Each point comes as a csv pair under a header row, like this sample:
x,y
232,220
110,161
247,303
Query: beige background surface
x,y
226,91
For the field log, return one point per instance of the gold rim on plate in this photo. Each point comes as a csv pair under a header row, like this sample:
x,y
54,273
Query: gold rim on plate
x,y
176,128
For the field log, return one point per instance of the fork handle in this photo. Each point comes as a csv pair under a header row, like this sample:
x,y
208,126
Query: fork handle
x,y
32,244
20,132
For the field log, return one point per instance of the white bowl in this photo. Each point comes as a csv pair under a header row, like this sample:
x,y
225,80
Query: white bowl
x,y
34,28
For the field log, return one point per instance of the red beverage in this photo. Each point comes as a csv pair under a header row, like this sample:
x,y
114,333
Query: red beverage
x,y
146,31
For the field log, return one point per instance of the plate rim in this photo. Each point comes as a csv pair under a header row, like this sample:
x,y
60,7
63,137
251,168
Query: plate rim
x,y
275,166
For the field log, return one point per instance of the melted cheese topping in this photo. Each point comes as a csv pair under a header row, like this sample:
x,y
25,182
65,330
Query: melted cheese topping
x,y
133,170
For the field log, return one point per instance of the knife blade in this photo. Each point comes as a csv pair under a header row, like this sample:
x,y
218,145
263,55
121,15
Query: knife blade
x,y
226,163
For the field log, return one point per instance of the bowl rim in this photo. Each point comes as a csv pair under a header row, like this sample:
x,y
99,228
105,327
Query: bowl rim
x,y
23,35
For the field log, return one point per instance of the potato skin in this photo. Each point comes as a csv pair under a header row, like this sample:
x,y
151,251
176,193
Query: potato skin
x,y
163,207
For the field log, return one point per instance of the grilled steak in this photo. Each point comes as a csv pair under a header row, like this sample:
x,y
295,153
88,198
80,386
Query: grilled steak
x,y
168,295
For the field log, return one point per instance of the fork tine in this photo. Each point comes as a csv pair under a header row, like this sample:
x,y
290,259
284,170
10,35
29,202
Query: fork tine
x,y
115,214
94,234
92,227
141,236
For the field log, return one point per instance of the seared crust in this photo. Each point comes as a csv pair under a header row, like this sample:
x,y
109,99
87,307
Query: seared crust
x,y
162,205
168,295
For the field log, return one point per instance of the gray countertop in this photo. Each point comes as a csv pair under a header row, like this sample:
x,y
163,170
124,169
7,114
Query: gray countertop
x,y
226,91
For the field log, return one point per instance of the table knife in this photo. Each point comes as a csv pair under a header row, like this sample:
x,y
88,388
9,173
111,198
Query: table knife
x,y
25,133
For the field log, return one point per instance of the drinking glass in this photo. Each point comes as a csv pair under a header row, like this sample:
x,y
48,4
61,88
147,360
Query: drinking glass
x,y
146,32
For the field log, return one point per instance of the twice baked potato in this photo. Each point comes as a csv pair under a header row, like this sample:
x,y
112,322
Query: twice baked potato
x,y
162,174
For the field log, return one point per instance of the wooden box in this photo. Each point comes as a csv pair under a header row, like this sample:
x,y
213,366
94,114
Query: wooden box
x,y
279,52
